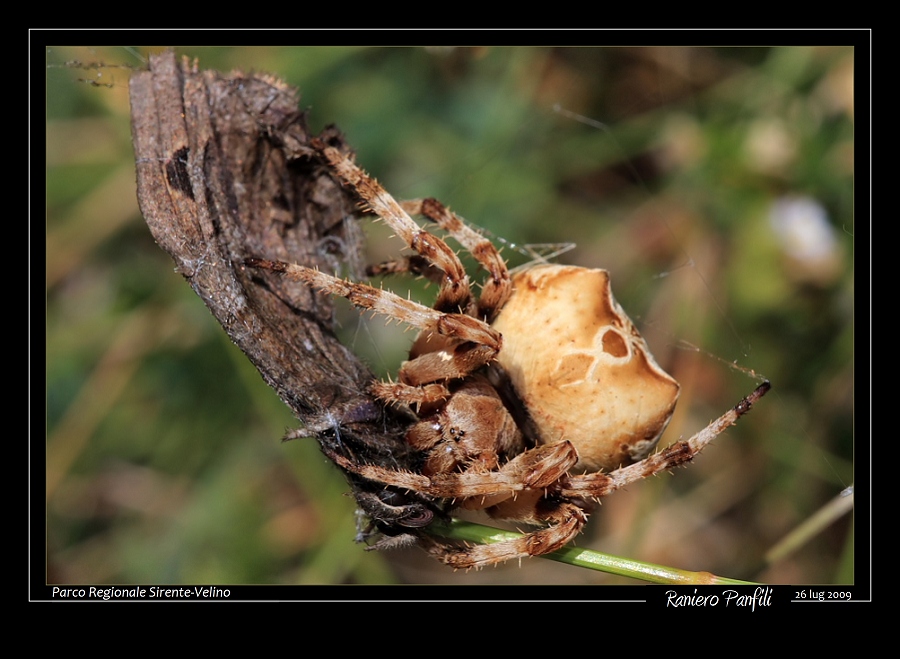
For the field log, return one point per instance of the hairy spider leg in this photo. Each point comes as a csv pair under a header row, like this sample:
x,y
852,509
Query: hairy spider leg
x,y
596,485
566,521
474,343
498,286
455,294
536,469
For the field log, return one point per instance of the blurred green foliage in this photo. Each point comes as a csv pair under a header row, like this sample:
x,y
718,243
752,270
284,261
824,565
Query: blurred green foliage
x,y
716,184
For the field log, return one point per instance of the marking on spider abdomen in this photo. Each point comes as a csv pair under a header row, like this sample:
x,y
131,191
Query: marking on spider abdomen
x,y
610,348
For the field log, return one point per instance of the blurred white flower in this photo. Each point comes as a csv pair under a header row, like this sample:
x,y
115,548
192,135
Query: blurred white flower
x,y
806,237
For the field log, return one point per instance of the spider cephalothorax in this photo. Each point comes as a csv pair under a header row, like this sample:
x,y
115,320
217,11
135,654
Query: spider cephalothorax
x,y
530,400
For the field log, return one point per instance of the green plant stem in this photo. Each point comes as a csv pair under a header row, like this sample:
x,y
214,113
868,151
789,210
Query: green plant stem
x,y
478,533
813,526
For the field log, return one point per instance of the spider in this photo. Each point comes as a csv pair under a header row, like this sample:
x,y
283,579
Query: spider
x,y
531,400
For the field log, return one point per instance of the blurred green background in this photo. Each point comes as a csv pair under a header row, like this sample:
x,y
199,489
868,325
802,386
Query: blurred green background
x,y
715,184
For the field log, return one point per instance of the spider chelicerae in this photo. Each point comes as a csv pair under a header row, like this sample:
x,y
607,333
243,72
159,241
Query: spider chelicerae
x,y
531,400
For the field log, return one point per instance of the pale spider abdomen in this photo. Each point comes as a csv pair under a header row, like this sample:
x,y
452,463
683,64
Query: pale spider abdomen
x,y
582,369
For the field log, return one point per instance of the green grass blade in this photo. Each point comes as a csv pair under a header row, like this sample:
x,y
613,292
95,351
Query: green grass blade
x,y
586,558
